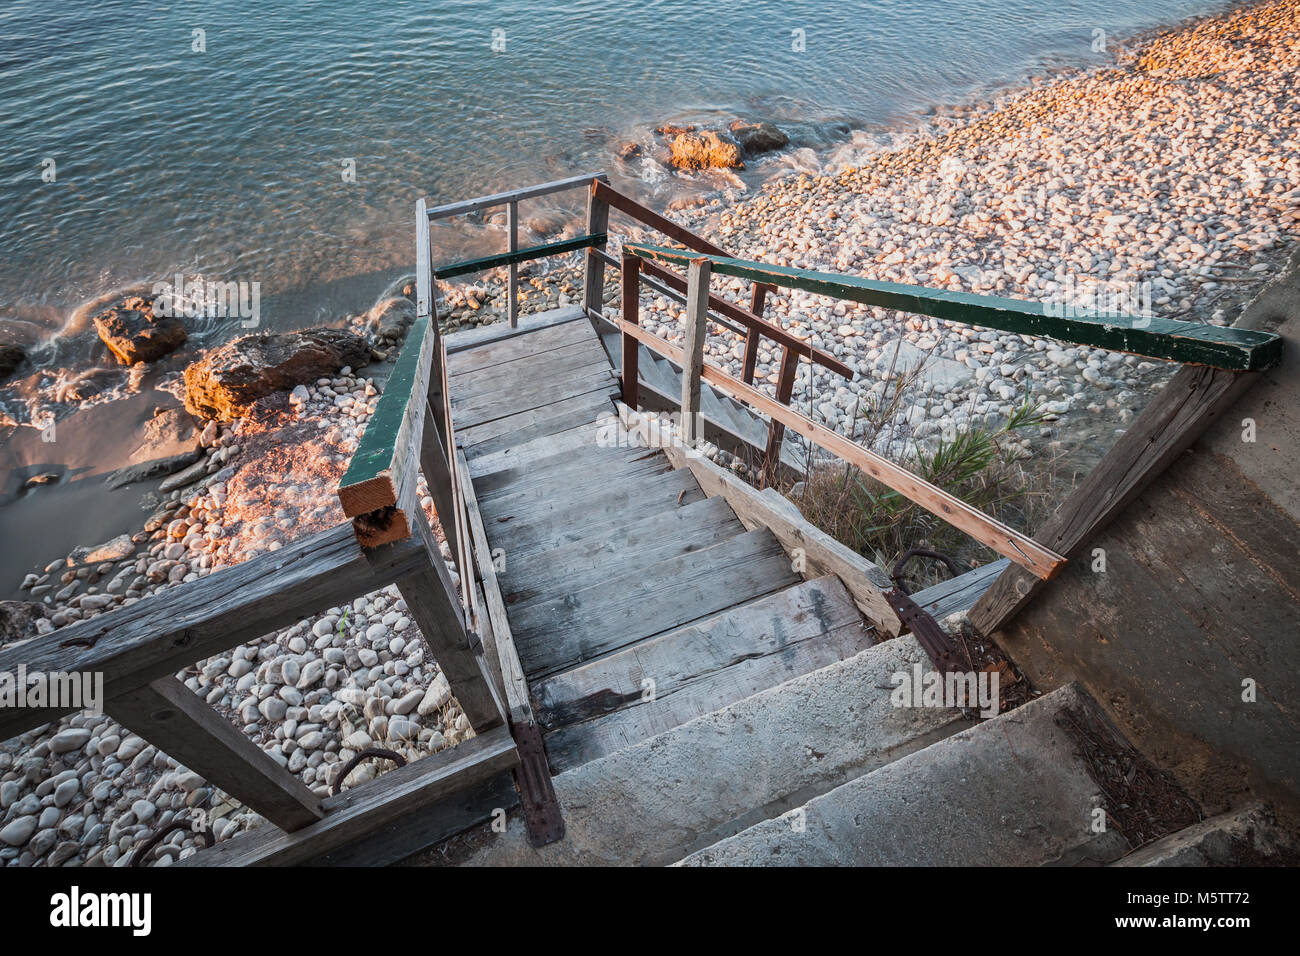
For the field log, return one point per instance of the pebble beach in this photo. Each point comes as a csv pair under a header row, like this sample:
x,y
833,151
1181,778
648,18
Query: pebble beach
x,y
1171,179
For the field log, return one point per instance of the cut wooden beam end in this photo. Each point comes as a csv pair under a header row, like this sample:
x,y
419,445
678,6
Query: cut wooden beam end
x,y
382,526
369,495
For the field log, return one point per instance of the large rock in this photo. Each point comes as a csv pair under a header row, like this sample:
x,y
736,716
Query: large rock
x,y
156,468
388,321
134,334
755,138
225,382
18,620
11,356
705,149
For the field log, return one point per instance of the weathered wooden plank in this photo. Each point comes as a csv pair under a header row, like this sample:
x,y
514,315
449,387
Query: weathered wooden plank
x,y
583,474
695,671
374,479
437,475
175,720
507,403
1002,539
529,369
820,553
1165,339
579,459
535,576
468,351
959,593
137,644
629,348
580,625
467,266
775,430
1172,420
549,420
512,672
515,460
593,284
534,523
467,206
372,805
423,271
697,326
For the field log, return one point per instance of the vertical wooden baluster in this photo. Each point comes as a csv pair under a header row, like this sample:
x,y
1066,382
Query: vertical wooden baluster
x,y
512,284
752,338
697,324
593,294
631,277
776,431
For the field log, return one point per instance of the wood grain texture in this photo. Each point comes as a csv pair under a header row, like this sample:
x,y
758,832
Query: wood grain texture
x,y
180,724
697,327
1002,539
142,642
372,805
579,625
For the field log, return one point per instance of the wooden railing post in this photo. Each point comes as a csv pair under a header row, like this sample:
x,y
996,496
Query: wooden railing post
x,y
752,337
593,293
697,325
173,718
776,431
512,283
631,285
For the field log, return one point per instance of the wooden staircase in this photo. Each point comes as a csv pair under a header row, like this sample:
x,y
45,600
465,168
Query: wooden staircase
x,y
635,600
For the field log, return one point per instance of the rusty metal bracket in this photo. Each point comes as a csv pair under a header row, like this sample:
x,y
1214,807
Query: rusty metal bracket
x,y
933,638
139,856
536,792
356,761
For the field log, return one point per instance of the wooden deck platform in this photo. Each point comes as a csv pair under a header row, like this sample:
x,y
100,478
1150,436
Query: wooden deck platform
x,y
635,600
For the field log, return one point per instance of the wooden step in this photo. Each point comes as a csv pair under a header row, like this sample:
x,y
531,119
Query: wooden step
x,y
560,519
529,370
581,625
601,707
637,544
567,474
539,422
511,402
523,453
531,343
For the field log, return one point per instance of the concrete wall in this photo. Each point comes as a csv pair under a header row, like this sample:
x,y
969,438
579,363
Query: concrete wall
x,y
1201,593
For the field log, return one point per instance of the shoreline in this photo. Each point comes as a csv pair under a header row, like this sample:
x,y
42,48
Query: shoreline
x,y
315,692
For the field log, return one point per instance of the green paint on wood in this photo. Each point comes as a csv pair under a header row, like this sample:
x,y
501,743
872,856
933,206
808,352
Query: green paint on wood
x,y
1165,339
375,451
522,255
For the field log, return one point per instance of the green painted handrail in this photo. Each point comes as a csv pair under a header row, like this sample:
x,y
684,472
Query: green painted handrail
x,y
522,255
1168,340
375,450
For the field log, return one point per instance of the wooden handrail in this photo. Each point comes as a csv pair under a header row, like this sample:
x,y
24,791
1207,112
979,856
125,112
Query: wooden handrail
x,y
1164,339
515,195
520,255
1023,550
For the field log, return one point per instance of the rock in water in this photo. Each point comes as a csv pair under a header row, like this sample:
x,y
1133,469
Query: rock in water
x,y
11,356
153,469
227,380
706,149
755,138
134,334
389,320
18,620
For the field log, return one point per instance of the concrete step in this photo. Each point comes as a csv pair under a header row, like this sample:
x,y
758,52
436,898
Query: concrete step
x,y
1250,836
1010,791
656,801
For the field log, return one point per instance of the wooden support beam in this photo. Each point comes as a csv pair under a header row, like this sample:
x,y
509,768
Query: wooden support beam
x,y
512,671
1235,349
631,288
155,637
1172,420
1004,540
437,474
697,326
775,430
512,281
180,724
752,340
424,292
593,286
372,805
